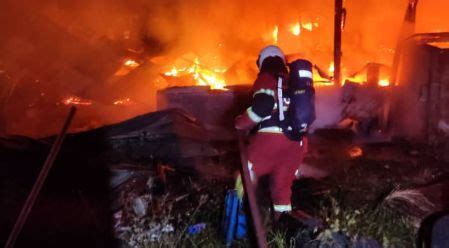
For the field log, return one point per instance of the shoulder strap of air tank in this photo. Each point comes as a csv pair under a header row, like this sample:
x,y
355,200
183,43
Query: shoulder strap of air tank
x,y
280,99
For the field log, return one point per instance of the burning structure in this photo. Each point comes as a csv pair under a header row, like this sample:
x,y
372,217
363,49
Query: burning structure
x,y
115,60
104,53
113,71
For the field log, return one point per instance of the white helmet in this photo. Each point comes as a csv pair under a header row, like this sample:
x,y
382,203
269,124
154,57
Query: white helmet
x,y
270,51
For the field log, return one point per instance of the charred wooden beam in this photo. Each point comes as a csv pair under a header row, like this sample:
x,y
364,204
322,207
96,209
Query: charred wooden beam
x,y
338,24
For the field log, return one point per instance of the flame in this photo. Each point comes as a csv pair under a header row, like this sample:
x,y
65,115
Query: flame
x,y
127,66
208,78
74,100
295,29
318,81
202,76
307,26
275,34
131,63
124,101
355,152
174,72
359,79
384,83
331,68
323,83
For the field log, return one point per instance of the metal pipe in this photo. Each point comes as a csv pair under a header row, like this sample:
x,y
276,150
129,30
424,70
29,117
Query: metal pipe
x,y
28,205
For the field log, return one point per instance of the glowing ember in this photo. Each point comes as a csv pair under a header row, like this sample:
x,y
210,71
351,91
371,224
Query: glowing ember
x,y
355,152
331,68
307,26
219,70
354,80
127,66
73,100
275,34
124,101
440,44
174,72
202,76
359,78
384,83
319,81
131,63
323,83
295,29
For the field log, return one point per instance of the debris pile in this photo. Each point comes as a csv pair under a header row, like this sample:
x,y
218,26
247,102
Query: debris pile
x,y
161,178
150,172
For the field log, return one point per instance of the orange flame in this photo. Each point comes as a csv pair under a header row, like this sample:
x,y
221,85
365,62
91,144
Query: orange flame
x,y
323,83
201,75
295,29
319,81
131,63
275,34
331,68
127,66
174,72
359,79
74,100
307,26
355,152
384,83
124,101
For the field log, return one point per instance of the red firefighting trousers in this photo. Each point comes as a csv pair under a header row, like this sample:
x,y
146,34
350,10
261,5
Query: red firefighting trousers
x,y
275,155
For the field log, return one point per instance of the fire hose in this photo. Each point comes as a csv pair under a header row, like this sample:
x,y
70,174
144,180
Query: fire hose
x,y
251,194
31,199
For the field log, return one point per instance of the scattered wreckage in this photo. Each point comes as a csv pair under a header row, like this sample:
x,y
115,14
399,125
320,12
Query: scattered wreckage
x,y
148,178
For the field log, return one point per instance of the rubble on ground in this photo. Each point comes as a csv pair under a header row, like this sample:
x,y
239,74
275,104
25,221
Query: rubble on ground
x,y
149,179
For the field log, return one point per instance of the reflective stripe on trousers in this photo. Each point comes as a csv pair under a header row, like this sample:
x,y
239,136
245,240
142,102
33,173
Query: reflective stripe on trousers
x,y
282,208
252,176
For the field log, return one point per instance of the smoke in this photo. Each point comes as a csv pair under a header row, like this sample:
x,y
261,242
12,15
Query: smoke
x,y
52,49
235,30
432,16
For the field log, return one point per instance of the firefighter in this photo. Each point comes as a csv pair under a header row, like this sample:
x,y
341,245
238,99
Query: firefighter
x,y
270,152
